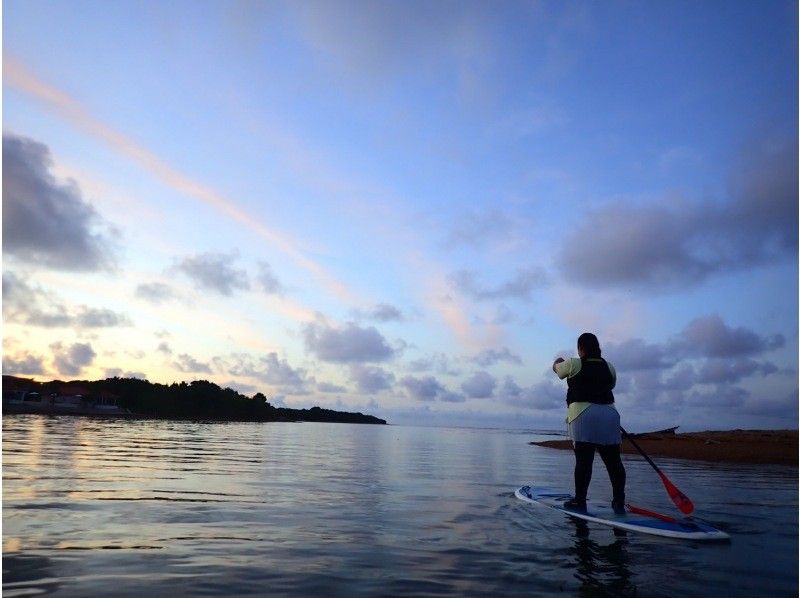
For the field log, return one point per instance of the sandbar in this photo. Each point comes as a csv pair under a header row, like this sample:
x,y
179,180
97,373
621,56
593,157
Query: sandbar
x,y
779,447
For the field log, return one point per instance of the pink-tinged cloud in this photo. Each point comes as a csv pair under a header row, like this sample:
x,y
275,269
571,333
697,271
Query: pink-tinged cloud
x,y
453,315
21,78
444,301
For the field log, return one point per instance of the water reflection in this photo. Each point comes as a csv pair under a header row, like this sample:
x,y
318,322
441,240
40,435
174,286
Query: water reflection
x,y
187,508
28,575
602,569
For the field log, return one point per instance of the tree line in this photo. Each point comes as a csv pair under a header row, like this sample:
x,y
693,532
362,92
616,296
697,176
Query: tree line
x,y
199,399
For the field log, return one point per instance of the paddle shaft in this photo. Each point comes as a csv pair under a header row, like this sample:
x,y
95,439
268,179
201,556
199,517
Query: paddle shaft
x,y
679,498
638,448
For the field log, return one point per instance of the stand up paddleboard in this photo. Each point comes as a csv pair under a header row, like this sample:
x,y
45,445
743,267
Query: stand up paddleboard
x,y
635,519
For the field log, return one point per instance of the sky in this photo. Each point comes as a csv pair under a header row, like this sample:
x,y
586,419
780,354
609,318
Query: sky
x,y
408,209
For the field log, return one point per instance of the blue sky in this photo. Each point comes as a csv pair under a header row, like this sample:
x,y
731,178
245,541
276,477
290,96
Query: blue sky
x,y
408,208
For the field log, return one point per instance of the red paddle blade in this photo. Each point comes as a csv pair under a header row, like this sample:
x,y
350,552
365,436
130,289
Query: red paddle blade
x,y
641,511
679,498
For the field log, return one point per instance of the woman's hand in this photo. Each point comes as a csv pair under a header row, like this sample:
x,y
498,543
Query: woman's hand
x,y
556,362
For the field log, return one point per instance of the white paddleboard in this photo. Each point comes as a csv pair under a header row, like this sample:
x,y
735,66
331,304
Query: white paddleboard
x,y
635,519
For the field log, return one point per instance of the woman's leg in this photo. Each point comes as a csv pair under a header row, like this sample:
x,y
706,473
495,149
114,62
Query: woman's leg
x,y
584,456
616,471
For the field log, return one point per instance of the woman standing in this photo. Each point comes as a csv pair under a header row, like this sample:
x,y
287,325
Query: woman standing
x,y
592,419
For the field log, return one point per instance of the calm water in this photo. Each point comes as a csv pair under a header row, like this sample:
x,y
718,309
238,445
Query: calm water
x,y
165,508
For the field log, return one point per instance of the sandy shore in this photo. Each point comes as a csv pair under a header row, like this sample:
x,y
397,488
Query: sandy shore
x,y
735,446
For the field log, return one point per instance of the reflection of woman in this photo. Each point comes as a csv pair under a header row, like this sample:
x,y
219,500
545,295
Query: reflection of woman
x,y
593,421
603,570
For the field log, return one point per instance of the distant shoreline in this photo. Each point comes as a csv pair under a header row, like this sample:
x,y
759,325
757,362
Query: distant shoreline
x,y
767,447
132,398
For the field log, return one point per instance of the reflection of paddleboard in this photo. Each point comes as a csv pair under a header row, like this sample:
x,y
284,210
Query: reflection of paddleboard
x,y
635,519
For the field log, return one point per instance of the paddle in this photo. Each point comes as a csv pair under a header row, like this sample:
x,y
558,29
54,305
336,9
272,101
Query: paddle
x,y
679,498
646,513
641,511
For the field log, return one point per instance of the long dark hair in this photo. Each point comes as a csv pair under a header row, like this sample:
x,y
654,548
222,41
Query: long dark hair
x,y
590,345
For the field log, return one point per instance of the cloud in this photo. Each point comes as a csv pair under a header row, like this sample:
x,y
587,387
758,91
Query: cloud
x,y
271,370
26,304
88,317
214,272
382,312
510,391
329,387
504,315
678,244
709,336
348,344
764,210
267,280
46,222
383,44
544,396
120,373
438,362
625,244
245,389
548,395
370,379
163,347
187,363
374,43
155,292
426,388
731,372
71,360
453,313
34,306
451,397
478,228
706,337
480,385
721,396
278,371
24,363
489,357
636,354
21,78
784,406
520,287
699,368
681,379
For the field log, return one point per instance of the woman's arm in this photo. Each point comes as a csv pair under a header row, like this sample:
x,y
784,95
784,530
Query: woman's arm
x,y
556,362
566,368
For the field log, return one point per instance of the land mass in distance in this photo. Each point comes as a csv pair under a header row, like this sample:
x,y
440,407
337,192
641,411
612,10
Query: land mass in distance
x,y
732,446
197,400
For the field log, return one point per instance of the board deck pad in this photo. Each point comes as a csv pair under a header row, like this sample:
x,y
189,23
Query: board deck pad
x,y
687,528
